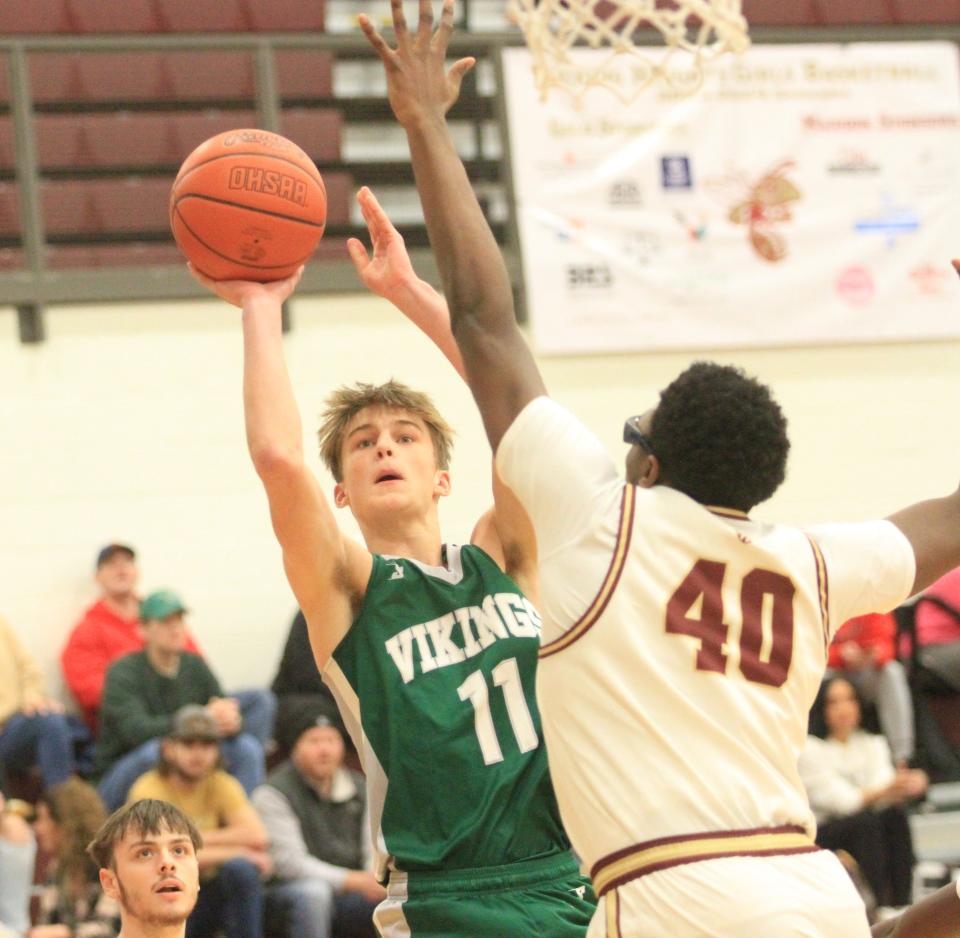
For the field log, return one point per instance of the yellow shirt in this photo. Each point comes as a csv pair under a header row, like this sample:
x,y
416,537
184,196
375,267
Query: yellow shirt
x,y
19,673
210,805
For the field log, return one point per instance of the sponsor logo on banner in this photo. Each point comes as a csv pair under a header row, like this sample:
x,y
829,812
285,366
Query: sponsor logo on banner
x,y
676,172
589,277
891,221
642,247
855,285
852,162
930,279
624,192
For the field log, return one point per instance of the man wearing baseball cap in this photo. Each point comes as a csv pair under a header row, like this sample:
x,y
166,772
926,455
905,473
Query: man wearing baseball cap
x,y
144,690
314,810
110,628
233,856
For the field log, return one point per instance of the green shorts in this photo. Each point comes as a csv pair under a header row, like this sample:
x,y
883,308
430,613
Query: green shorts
x,y
548,898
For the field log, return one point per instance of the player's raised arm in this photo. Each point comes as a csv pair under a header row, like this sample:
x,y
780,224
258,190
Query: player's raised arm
x,y
324,568
933,529
389,274
500,370
505,531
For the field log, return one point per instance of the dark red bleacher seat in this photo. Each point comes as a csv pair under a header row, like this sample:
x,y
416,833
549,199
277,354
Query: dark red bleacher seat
x,y
9,209
340,192
12,259
192,76
35,16
192,16
128,138
304,73
126,16
927,11
318,131
778,13
852,12
285,15
93,206
7,151
4,79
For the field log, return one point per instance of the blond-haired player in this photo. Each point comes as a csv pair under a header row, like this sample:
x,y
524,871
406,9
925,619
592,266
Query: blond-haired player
x,y
683,641
429,648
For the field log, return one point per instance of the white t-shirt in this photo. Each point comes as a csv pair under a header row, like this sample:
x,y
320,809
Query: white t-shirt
x,y
682,646
835,774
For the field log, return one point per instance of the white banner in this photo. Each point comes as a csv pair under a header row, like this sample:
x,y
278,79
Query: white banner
x,y
806,194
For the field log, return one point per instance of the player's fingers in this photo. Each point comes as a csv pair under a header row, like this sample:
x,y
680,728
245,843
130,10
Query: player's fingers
x,y
374,38
399,22
458,70
374,215
956,266
445,30
358,254
425,25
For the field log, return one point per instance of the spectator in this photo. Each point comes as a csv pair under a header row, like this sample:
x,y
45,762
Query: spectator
x,y
298,684
233,855
938,628
33,727
110,629
72,904
146,688
147,857
858,796
863,652
17,854
314,810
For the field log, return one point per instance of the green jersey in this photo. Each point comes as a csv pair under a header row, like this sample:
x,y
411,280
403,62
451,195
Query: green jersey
x,y
435,680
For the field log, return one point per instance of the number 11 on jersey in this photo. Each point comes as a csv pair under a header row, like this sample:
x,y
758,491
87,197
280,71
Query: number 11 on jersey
x,y
506,676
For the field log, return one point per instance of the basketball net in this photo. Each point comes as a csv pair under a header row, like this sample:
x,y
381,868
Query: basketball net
x,y
703,28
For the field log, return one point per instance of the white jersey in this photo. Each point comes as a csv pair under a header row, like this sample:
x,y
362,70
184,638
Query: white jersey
x,y
682,646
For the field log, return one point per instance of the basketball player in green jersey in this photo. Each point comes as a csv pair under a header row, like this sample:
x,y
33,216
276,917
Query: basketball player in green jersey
x,y
429,648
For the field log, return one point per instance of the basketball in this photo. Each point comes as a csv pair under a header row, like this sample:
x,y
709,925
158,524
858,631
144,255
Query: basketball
x,y
248,205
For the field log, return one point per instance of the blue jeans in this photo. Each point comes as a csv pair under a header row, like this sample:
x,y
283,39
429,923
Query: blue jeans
x,y
231,902
45,740
258,708
309,908
242,755
16,875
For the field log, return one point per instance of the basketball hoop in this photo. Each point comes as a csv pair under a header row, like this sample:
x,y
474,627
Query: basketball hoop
x,y
703,28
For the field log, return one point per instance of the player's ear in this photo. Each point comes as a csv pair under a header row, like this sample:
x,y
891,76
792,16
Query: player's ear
x,y
108,882
340,497
442,484
651,473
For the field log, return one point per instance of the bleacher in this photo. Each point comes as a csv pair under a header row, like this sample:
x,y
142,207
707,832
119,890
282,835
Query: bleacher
x,y
109,98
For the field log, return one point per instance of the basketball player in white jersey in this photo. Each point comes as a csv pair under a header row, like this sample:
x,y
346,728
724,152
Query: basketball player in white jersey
x,y
683,642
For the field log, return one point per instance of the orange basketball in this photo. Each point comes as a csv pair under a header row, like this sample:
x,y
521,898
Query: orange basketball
x,y
248,205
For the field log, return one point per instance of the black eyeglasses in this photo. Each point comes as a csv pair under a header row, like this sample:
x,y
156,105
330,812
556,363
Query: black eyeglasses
x,y
634,436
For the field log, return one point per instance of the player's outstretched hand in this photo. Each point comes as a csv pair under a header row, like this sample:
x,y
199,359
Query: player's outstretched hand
x,y
419,86
389,270
241,292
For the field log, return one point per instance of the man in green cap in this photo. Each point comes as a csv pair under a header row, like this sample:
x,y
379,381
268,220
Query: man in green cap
x,y
144,690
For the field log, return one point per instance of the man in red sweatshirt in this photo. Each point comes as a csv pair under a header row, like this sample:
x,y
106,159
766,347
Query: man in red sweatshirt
x,y
110,629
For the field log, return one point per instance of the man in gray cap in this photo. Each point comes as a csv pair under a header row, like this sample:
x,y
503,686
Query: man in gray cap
x,y
233,857
314,810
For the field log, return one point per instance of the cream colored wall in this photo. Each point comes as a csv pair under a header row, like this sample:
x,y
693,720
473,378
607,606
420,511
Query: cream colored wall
x,y
126,425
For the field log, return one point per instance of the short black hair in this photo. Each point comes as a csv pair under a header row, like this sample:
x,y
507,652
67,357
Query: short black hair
x,y
147,816
720,437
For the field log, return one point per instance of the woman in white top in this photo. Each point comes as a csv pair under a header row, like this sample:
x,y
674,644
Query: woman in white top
x,y
858,796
